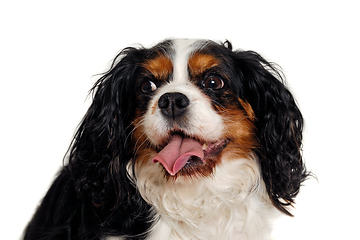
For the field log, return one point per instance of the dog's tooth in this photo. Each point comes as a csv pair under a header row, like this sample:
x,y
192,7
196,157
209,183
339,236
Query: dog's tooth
x,y
204,146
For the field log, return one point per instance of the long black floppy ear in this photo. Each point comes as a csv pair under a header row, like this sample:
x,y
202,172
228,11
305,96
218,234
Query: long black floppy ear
x,y
94,189
101,147
279,126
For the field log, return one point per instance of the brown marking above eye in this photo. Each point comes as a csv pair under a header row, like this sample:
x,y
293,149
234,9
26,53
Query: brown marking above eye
x,y
200,62
160,67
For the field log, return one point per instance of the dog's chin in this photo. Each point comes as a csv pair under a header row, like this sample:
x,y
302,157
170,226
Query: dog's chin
x,y
183,155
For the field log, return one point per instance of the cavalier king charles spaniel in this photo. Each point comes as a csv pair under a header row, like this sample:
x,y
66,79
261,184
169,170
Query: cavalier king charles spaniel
x,y
188,139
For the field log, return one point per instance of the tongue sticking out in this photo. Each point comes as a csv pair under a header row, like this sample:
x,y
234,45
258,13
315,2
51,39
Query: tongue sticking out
x,y
177,152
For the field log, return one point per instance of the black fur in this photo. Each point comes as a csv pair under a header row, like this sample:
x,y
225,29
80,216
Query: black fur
x,y
279,124
94,196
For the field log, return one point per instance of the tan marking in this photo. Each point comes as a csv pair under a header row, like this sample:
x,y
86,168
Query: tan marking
x,y
160,67
240,129
248,109
200,62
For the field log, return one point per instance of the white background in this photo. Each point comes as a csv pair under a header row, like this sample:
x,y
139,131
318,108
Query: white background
x,y
49,52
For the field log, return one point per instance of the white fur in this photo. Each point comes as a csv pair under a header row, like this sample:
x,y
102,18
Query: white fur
x,y
232,204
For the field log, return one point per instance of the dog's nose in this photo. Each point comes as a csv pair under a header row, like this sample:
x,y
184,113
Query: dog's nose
x,y
173,104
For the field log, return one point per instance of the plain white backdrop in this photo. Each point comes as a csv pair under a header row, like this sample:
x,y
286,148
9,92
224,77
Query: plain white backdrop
x,y
50,52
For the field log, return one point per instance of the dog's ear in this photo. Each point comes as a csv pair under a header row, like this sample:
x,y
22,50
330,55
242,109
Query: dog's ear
x,y
279,126
101,150
94,195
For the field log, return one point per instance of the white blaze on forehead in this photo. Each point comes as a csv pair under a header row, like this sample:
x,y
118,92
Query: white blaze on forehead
x,y
183,48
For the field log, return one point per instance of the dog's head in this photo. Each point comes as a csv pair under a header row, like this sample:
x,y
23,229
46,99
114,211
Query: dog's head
x,y
184,107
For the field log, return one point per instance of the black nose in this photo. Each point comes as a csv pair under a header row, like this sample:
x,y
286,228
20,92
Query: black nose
x,y
173,104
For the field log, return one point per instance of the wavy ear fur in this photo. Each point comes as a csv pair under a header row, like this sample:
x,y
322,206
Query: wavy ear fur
x,y
95,188
279,126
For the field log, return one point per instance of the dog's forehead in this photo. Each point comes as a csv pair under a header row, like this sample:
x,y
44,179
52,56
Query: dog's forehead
x,y
178,56
183,52
184,47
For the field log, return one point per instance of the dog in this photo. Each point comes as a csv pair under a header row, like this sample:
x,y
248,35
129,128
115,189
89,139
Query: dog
x,y
188,139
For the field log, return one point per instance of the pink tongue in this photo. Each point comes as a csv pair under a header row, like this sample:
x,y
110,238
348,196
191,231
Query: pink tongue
x,y
177,152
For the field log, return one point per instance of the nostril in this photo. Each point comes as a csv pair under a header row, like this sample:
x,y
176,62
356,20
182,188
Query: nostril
x,y
163,102
182,101
173,104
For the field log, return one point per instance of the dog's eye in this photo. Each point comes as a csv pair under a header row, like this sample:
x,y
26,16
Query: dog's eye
x,y
148,86
213,82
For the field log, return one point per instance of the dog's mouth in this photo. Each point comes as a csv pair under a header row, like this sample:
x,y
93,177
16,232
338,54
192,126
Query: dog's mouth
x,y
182,151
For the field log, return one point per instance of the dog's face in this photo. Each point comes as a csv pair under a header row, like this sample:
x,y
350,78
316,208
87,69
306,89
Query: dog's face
x,y
184,109
189,119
